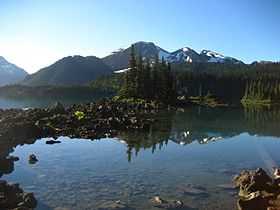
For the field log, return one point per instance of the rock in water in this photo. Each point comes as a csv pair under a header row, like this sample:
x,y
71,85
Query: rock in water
x,y
167,204
252,181
12,197
257,191
33,159
52,142
193,190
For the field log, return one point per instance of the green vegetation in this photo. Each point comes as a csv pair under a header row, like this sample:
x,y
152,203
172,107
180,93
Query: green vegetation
x,y
210,84
79,115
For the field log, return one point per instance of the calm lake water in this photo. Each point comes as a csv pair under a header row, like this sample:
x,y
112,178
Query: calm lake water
x,y
188,155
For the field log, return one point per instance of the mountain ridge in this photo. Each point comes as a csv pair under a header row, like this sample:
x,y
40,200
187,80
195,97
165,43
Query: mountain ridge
x,y
70,70
119,59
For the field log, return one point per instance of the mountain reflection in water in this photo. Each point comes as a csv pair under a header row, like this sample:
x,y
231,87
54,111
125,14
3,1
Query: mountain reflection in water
x,y
204,125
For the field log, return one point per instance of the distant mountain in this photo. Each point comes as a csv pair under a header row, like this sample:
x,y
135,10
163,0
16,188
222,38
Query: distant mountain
x,y
72,70
120,59
10,73
214,57
184,55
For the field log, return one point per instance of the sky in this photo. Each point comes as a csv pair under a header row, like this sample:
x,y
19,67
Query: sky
x,y
36,33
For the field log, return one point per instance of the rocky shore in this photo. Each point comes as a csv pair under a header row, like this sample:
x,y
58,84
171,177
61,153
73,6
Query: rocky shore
x,y
93,120
258,190
12,197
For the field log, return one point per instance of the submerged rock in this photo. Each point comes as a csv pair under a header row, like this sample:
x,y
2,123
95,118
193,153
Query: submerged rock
x,y
158,202
193,190
227,187
112,205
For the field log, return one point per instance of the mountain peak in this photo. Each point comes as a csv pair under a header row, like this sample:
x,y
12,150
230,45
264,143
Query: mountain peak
x,y
144,43
10,73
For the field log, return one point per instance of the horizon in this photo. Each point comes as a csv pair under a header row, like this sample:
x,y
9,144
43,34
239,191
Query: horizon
x,y
37,34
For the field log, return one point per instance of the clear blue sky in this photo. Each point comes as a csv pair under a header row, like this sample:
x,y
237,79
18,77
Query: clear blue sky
x,y
35,33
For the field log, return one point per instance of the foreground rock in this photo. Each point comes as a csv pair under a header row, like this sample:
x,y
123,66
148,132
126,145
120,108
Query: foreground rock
x,y
257,191
12,197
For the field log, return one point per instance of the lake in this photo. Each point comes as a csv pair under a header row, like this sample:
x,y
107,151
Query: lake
x,y
189,155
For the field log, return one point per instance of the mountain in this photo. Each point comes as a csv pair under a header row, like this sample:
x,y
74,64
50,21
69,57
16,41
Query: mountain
x,y
71,70
120,59
214,57
10,73
182,55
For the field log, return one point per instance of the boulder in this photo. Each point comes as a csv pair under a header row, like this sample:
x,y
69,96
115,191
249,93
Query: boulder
x,y
257,190
12,197
33,159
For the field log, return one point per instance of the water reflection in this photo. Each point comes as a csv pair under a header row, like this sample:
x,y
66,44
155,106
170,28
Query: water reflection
x,y
177,151
203,126
196,124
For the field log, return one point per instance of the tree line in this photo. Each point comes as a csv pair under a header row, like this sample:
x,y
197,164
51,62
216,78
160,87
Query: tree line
x,y
231,83
150,80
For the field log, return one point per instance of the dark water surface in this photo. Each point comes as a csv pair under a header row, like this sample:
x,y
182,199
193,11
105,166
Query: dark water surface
x,y
189,156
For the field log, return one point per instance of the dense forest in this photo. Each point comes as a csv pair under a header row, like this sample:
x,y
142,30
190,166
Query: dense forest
x,y
230,83
255,83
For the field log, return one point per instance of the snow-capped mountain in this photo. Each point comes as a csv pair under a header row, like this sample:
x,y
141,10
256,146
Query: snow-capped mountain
x,y
148,50
185,54
214,57
10,73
